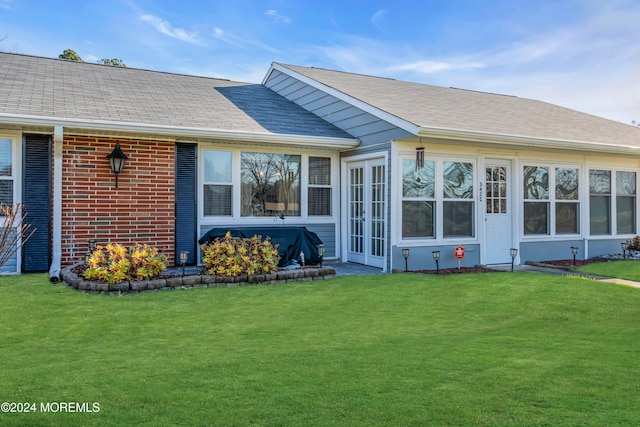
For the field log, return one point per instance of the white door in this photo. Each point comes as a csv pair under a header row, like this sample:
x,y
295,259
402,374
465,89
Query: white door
x,y
366,225
498,228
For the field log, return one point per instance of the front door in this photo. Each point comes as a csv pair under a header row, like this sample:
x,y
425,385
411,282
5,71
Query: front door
x,y
498,229
366,225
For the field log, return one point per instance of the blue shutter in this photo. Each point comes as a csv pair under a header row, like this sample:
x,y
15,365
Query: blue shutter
x,y
36,199
185,197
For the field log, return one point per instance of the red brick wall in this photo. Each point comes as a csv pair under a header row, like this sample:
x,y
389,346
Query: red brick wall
x,y
140,210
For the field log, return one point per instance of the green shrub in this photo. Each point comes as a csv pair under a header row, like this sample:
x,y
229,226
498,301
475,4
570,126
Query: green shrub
x,y
633,244
232,256
115,264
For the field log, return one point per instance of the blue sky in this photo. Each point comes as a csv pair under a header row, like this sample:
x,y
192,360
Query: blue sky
x,y
581,54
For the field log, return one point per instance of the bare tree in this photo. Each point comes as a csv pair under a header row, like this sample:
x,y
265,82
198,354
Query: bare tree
x,y
14,231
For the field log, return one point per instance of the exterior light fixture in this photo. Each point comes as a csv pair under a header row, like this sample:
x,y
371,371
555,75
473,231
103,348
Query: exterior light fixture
x,y
624,250
405,254
321,253
514,253
117,159
436,257
92,245
574,251
184,255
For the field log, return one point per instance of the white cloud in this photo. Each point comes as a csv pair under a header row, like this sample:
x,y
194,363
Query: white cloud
x,y
430,67
378,17
280,19
165,28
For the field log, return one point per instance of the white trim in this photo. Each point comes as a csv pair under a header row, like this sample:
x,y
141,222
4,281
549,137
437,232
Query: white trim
x,y
186,132
383,115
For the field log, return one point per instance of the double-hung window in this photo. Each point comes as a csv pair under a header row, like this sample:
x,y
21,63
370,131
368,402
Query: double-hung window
x,y
218,186
6,171
319,191
437,200
551,200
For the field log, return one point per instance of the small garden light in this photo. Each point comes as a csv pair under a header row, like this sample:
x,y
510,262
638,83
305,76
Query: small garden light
x,y
514,253
574,251
321,253
184,255
92,245
624,250
436,256
405,254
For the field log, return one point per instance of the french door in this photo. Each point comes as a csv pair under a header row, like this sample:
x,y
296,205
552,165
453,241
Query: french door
x,y
367,212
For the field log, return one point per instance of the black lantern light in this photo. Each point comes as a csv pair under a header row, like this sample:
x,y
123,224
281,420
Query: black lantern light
x,y
321,253
624,249
514,253
405,254
436,256
117,159
184,255
574,251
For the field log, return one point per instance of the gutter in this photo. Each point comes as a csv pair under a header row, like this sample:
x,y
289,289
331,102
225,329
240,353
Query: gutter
x,y
54,269
188,132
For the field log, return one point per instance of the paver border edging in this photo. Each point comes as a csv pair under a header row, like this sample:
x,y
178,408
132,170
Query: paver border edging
x,y
306,274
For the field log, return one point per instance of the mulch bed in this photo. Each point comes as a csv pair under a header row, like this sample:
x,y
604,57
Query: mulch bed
x,y
569,262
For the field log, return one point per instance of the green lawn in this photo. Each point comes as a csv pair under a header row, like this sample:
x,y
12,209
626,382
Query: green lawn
x,y
629,269
477,349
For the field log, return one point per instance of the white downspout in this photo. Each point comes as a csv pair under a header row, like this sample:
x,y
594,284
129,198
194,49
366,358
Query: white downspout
x,y
54,270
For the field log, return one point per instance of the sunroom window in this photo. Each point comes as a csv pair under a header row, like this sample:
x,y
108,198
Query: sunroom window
x,y
218,187
447,212
626,202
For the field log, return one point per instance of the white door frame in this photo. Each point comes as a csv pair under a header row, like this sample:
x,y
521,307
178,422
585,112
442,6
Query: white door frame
x,y
366,161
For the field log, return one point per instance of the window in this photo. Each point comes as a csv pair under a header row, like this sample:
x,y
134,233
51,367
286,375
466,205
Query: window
x,y
567,202
602,187
600,202
626,202
418,204
551,200
218,187
319,192
270,184
6,171
536,200
421,217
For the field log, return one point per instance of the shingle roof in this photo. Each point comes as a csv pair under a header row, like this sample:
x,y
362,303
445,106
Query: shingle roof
x,y
46,87
437,107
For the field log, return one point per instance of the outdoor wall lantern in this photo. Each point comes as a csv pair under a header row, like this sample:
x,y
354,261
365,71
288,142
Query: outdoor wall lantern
x,y
321,253
514,253
574,251
405,254
117,159
436,256
184,255
624,250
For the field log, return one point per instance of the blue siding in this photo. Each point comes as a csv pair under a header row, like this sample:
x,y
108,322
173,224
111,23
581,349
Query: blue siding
x,y
421,258
186,202
358,123
36,199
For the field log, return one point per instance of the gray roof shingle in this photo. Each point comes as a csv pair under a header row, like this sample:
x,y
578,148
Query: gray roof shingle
x,y
59,88
437,107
